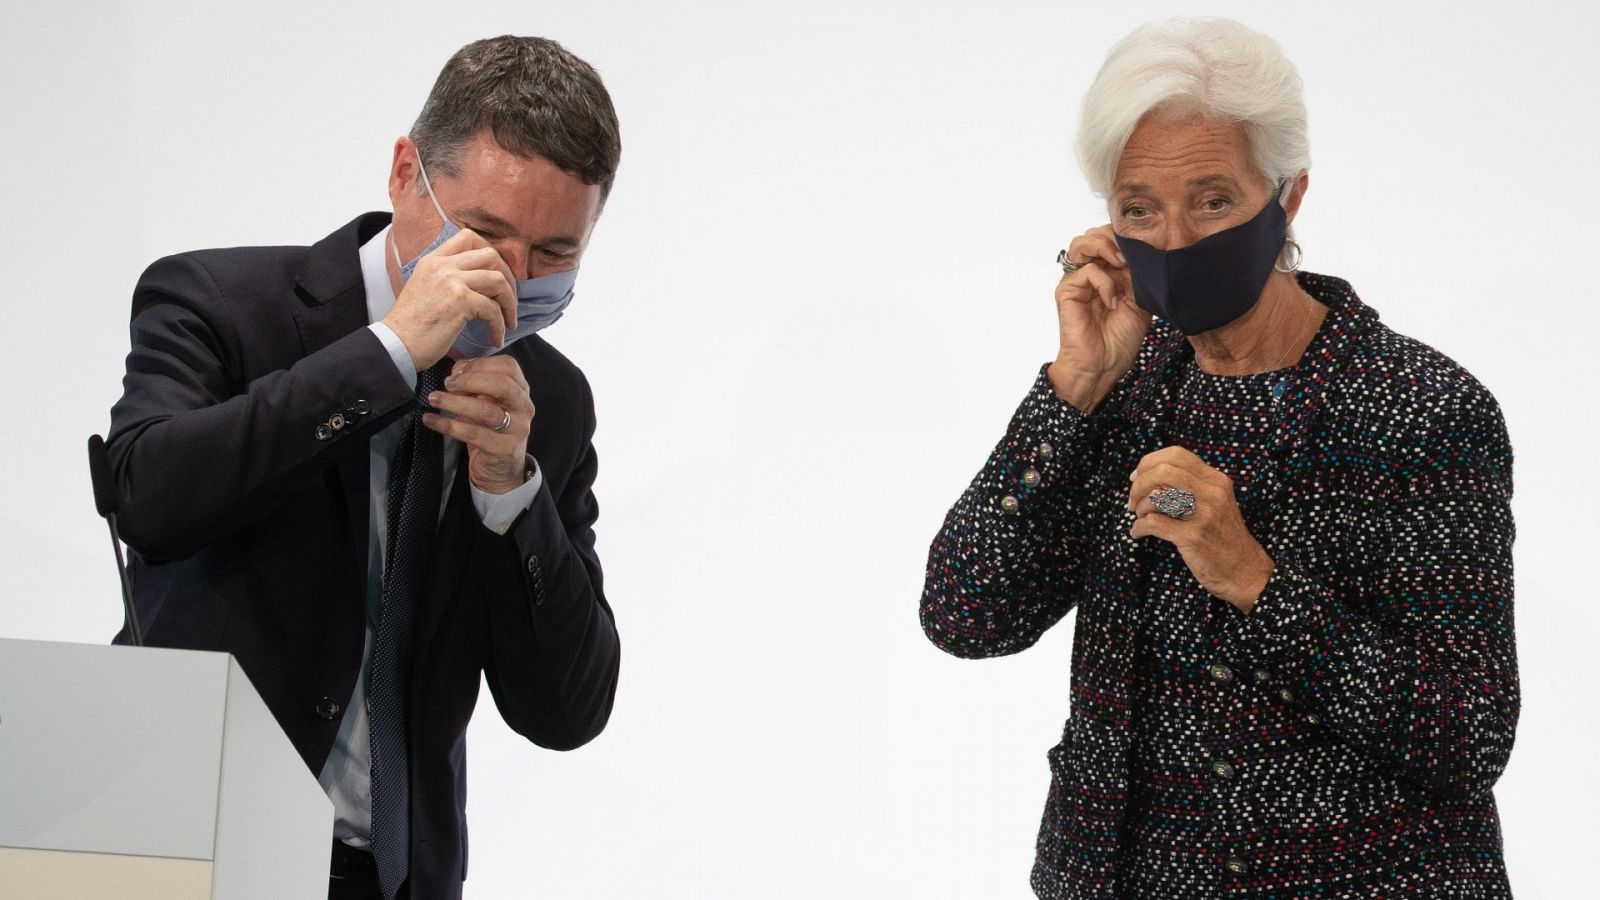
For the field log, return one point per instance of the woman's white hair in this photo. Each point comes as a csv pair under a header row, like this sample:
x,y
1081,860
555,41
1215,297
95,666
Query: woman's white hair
x,y
1187,68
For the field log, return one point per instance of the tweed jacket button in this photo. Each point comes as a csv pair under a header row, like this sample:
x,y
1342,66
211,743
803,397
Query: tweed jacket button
x,y
1222,769
1235,864
1313,718
1046,451
1286,695
1030,478
1262,676
1220,673
1009,505
327,708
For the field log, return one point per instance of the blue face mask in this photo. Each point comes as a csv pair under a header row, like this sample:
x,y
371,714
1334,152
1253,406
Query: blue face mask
x,y
540,301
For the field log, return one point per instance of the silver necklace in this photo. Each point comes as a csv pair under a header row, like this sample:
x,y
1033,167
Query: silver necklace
x,y
1293,343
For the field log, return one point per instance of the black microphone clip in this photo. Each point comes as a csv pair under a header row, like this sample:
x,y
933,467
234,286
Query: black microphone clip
x,y
105,503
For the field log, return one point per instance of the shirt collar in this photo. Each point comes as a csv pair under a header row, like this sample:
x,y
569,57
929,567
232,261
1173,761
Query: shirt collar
x,y
375,276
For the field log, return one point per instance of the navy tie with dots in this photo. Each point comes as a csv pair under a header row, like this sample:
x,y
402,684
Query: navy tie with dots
x,y
416,484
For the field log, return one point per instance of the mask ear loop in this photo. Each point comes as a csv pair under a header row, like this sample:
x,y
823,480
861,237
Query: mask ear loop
x,y
1289,243
427,185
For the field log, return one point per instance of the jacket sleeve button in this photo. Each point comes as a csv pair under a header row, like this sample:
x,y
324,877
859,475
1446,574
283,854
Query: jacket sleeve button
x,y
324,432
328,708
535,580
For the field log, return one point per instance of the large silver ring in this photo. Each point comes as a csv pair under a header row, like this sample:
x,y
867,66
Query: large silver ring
x,y
505,424
1067,265
1174,502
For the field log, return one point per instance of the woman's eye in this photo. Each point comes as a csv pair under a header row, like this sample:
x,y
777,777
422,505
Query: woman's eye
x,y
1216,204
1133,212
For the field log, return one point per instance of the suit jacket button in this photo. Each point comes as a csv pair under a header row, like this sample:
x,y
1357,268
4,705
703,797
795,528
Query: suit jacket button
x,y
324,432
337,422
362,407
328,708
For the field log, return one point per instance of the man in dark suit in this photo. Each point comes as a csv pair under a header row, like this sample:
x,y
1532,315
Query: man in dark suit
x,y
319,474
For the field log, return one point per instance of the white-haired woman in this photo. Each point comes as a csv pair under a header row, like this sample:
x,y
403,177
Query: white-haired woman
x,y
1285,527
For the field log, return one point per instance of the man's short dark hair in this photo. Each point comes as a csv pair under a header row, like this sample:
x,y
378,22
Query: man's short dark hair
x,y
536,98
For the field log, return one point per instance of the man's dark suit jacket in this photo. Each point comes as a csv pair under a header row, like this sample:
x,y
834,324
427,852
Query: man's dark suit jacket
x,y
245,503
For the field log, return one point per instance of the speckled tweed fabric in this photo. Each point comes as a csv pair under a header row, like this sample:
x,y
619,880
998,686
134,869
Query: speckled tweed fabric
x,y
1341,740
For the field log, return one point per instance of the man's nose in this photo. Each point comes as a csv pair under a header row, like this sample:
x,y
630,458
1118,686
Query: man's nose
x,y
520,262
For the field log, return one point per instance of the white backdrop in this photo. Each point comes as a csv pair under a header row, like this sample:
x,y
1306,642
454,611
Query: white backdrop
x,y
820,288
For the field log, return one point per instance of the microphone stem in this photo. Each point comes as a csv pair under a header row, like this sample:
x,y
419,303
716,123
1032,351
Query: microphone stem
x,y
130,615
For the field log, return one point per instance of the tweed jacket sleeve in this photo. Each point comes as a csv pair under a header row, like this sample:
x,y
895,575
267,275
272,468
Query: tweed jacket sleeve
x,y
1006,563
1418,665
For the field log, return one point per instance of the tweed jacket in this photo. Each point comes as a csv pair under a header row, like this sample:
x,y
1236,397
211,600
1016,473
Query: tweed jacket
x,y
1383,696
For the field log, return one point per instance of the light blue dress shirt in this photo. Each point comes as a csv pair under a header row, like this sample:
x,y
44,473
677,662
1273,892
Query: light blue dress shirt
x,y
347,774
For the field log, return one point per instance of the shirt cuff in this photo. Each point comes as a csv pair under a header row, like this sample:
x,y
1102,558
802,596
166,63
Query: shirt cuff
x,y
498,511
397,352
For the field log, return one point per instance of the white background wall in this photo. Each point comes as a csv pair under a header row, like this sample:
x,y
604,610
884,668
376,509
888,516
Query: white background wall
x,y
820,289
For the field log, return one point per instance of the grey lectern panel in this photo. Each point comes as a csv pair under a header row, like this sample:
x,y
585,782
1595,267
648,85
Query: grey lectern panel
x,y
271,810
150,754
103,749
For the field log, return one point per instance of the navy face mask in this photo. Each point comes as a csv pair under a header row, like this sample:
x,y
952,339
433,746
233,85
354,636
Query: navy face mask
x,y
1213,281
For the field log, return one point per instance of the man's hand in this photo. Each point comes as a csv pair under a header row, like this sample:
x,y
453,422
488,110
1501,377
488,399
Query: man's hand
x,y
464,279
1216,546
478,396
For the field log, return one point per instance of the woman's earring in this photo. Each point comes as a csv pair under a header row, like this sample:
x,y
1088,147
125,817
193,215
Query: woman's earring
x,y
1289,244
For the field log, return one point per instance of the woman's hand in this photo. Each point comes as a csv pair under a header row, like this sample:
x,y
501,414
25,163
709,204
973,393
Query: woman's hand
x,y
1216,546
1101,326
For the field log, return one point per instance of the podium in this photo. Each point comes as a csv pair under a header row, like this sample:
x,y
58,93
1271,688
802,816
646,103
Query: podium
x,y
139,772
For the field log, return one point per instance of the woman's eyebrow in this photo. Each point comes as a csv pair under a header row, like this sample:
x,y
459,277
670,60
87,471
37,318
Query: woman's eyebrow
x,y
1214,181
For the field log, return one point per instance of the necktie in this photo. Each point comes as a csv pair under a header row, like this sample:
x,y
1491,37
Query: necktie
x,y
416,484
